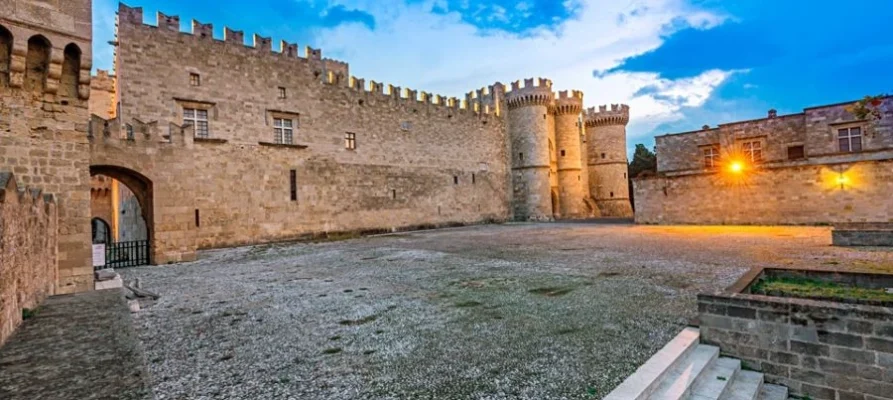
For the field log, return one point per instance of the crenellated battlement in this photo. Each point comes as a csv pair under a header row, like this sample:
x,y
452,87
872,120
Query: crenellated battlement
x,y
331,69
569,102
535,92
618,114
9,185
483,101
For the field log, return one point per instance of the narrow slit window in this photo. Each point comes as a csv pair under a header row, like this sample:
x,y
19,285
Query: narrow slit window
x,y
521,156
394,194
455,179
198,219
293,184
473,179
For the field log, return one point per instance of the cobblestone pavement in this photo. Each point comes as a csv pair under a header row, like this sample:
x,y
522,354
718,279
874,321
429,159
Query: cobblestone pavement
x,y
515,311
80,346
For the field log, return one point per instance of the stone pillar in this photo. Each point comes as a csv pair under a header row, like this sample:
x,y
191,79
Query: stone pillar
x,y
607,163
530,122
568,107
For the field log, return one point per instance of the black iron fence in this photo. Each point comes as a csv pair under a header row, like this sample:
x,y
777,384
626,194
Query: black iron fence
x,y
126,254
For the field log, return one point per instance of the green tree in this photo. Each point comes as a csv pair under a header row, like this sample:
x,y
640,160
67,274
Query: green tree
x,y
643,160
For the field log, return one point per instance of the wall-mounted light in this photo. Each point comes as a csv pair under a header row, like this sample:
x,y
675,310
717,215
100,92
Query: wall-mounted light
x,y
842,180
736,167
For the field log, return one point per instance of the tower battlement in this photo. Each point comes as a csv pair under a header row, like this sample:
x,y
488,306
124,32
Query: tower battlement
x,y
534,92
171,23
569,102
617,115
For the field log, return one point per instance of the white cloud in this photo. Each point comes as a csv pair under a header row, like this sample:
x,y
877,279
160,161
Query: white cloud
x,y
439,53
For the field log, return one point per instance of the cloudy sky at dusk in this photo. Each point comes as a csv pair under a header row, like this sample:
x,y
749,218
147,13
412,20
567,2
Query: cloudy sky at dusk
x,y
679,64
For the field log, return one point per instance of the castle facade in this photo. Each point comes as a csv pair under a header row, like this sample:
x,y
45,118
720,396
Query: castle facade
x,y
223,143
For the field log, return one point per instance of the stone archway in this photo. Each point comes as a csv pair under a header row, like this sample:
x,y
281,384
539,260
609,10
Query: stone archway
x,y
142,189
101,231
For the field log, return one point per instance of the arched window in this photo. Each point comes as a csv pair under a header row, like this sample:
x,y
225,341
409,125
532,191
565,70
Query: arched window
x,y
37,64
5,55
68,85
102,234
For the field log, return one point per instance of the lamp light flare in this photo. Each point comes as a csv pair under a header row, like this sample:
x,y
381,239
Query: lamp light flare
x,y
736,167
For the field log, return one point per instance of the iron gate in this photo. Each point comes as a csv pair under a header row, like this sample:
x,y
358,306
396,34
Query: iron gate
x,y
126,254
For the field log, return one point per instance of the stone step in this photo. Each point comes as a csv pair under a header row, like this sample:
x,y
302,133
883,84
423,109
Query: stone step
x,y
773,392
677,384
747,386
642,383
716,381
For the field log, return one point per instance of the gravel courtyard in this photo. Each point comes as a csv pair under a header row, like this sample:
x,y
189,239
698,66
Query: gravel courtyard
x,y
515,311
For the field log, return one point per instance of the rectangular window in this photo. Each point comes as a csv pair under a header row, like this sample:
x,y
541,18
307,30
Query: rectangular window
x,y
283,130
198,220
753,151
850,139
282,93
199,120
473,179
521,156
455,180
293,184
350,141
711,157
796,153
562,153
195,79
129,129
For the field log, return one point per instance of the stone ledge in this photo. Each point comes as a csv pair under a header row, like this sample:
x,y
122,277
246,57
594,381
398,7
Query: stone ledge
x,y
283,145
210,140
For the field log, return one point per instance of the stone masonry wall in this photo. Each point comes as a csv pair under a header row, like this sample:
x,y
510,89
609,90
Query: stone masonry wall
x,y
824,350
415,162
804,194
28,251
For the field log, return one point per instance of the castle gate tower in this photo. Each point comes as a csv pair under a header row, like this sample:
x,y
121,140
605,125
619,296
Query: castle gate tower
x,y
608,166
568,107
45,63
530,122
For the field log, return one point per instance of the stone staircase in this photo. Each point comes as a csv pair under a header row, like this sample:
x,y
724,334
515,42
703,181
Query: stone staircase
x,y
687,369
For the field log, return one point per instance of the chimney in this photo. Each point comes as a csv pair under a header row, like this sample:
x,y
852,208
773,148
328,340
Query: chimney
x,y
773,113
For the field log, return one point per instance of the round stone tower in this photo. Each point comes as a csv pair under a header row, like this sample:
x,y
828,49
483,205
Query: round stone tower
x,y
530,122
572,191
607,162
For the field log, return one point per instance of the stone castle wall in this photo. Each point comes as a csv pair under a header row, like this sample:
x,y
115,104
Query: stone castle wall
x,y
28,251
820,184
43,100
415,162
809,194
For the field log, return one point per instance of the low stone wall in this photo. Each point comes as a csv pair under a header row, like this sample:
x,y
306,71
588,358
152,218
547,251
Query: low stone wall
x,y
862,237
824,350
28,251
770,195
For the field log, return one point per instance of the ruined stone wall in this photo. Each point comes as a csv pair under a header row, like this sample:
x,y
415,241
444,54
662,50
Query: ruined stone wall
x,y
418,159
795,194
28,251
43,129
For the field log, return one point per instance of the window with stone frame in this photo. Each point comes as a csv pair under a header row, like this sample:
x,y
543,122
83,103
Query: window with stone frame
x,y
711,157
752,150
195,79
283,130
350,141
282,93
849,140
797,152
199,119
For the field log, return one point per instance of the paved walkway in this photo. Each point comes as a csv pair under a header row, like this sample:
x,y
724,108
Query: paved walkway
x,y
77,347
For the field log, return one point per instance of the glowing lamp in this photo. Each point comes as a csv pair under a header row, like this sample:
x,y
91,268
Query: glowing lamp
x,y
736,167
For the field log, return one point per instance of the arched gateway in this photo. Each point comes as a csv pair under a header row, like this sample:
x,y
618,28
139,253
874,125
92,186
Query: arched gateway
x,y
129,253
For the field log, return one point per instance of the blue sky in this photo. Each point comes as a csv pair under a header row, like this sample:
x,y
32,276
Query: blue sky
x,y
680,64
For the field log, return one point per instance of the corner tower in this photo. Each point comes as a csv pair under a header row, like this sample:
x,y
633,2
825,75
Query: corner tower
x,y
530,123
607,162
45,62
572,191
